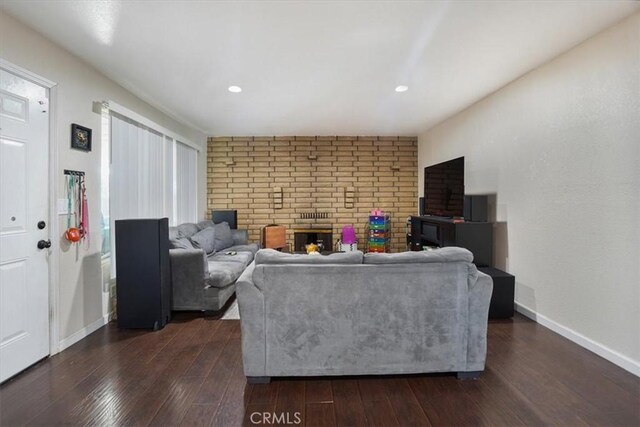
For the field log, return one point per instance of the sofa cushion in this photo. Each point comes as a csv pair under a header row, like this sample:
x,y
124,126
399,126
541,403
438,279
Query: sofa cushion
x,y
180,243
242,257
251,247
271,256
224,237
205,239
222,274
204,224
448,254
187,229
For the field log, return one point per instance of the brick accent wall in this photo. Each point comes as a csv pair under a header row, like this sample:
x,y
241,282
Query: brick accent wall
x,y
344,176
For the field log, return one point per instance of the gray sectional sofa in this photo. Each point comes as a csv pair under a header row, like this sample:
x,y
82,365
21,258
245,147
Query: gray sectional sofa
x,y
206,259
355,314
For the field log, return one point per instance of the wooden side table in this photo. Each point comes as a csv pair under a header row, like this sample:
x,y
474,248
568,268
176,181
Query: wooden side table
x,y
274,237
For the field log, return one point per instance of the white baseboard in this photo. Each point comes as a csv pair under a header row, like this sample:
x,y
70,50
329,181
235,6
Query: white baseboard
x,y
87,330
612,356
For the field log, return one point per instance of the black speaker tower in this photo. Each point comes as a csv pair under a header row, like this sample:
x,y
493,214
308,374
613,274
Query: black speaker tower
x,y
475,208
143,275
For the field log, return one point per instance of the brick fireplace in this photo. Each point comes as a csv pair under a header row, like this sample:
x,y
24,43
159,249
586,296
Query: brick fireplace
x,y
321,182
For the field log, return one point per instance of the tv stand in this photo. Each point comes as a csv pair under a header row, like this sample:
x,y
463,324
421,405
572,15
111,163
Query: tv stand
x,y
440,218
440,232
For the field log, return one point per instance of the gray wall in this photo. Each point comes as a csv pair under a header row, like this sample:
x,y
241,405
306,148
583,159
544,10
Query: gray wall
x,y
83,298
560,150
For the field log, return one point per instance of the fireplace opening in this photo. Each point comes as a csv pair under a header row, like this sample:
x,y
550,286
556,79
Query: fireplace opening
x,y
323,237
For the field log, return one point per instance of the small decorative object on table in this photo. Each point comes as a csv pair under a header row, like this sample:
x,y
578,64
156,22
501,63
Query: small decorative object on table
x,y
80,137
349,242
312,249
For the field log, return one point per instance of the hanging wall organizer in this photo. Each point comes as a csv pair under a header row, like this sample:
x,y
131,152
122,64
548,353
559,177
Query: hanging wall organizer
x,y
72,172
77,207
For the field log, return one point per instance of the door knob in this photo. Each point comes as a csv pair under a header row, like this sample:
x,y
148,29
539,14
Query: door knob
x,y
43,244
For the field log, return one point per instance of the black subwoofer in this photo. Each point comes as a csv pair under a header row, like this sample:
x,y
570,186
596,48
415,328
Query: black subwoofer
x,y
502,298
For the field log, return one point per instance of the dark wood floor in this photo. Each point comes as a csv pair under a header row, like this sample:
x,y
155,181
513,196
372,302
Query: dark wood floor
x,y
190,373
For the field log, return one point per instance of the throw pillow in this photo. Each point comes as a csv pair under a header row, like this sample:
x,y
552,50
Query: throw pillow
x,y
174,233
180,243
205,239
224,238
187,229
204,224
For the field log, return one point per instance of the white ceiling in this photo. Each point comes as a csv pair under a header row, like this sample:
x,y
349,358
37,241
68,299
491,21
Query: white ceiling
x,y
316,68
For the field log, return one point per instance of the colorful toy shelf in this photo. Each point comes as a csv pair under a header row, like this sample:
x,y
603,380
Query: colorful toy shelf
x,y
379,233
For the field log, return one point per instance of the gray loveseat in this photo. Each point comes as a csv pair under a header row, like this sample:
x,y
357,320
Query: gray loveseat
x,y
206,260
355,314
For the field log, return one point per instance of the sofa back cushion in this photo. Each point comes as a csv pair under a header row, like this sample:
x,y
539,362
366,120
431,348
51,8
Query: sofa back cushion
x,y
205,239
448,254
271,256
224,237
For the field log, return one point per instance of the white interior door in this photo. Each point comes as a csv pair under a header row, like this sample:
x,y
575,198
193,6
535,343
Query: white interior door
x,y
24,184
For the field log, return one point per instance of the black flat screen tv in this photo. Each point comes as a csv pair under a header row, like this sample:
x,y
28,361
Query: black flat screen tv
x,y
444,188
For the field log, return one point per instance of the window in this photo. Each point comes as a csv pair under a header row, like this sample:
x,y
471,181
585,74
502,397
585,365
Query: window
x,y
147,172
105,160
186,183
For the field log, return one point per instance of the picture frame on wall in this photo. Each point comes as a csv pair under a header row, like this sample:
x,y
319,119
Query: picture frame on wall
x,y
80,137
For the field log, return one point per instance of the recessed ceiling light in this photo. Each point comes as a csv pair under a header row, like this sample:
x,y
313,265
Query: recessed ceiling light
x,y
235,89
402,88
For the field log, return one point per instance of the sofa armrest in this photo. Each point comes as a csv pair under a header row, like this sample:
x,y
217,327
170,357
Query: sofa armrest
x,y
252,318
479,299
240,237
193,260
188,272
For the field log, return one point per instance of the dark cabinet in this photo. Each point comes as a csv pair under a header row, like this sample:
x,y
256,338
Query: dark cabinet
x,y
440,232
502,298
143,275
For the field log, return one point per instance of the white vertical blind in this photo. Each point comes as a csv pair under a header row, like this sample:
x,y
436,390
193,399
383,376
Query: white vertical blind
x,y
151,173
138,172
137,187
186,183
105,169
169,181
